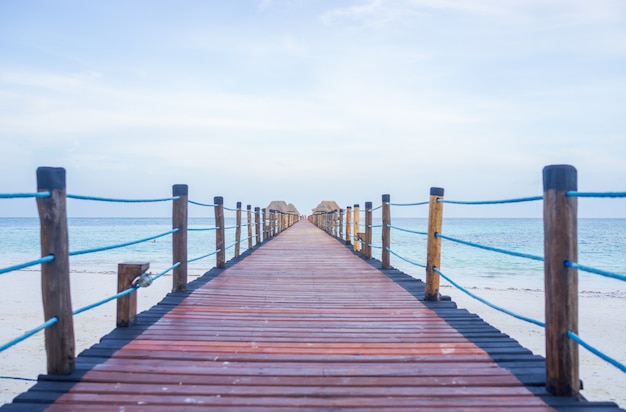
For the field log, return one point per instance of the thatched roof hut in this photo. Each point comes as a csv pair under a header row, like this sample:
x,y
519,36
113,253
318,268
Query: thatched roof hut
x,y
326,206
282,206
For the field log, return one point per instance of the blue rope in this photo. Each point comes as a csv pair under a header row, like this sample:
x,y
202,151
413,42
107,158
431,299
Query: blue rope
x,y
45,259
174,266
375,226
230,246
486,302
405,259
203,256
493,202
230,227
199,229
103,248
16,378
492,249
105,300
230,210
594,270
202,204
376,208
407,230
596,352
375,246
122,293
596,194
410,204
108,199
30,333
24,195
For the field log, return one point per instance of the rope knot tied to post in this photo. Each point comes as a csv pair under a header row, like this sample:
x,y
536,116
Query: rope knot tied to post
x,y
143,281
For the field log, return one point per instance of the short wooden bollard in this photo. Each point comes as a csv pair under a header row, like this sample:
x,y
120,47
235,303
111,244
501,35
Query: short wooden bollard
x,y
348,225
386,232
433,247
561,282
220,233
55,275
238,230
356,246
127,304
179,238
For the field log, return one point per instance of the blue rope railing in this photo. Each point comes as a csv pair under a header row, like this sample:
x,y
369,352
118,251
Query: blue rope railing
x,y
492,202
597,194
204,256
201,229
201,204
408,230
24,195
120,245
596,351
486,302
490,248
409,204
589,269
13,268
113,200
30,333
405,259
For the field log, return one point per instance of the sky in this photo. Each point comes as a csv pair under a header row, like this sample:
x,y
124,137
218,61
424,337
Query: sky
x,y
311,100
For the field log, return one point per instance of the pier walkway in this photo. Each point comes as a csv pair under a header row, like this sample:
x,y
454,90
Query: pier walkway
x,y
302,323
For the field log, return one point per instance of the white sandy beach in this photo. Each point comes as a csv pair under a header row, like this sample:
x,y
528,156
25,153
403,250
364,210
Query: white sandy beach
x,y
21,311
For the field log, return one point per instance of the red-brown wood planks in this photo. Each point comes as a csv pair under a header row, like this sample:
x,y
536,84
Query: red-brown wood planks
x,y
301,323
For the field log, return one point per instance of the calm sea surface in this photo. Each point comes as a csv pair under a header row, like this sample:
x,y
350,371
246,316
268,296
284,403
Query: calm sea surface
x,y
602,243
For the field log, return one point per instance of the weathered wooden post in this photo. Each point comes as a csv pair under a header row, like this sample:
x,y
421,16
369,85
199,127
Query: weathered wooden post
x,y
341,212
249,212
127,304
264,214
55,275
560,225
386,232
238,230
179,238
367,249
257,224
433,247
348,225
220,238
356,246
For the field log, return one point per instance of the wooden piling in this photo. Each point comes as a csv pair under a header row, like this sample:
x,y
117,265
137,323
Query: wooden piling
x,y
249,216
367,249
238,230
257,224
433,247
348,225
561,282
179,238
127,304
341,213
386,232
220,237
356,246
55,275
264,225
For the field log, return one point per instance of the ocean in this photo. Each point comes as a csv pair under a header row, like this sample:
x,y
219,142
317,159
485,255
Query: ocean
x,y
602,243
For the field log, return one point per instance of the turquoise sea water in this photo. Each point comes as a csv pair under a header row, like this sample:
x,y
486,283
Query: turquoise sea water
x,y
602,243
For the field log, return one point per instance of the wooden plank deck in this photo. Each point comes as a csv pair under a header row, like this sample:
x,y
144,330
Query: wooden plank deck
x,y
302,323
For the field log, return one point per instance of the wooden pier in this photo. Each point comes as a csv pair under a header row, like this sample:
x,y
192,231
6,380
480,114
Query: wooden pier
x,y
302,322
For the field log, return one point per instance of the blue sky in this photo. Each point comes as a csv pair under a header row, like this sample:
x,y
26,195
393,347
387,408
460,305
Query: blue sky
x,y
312,100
